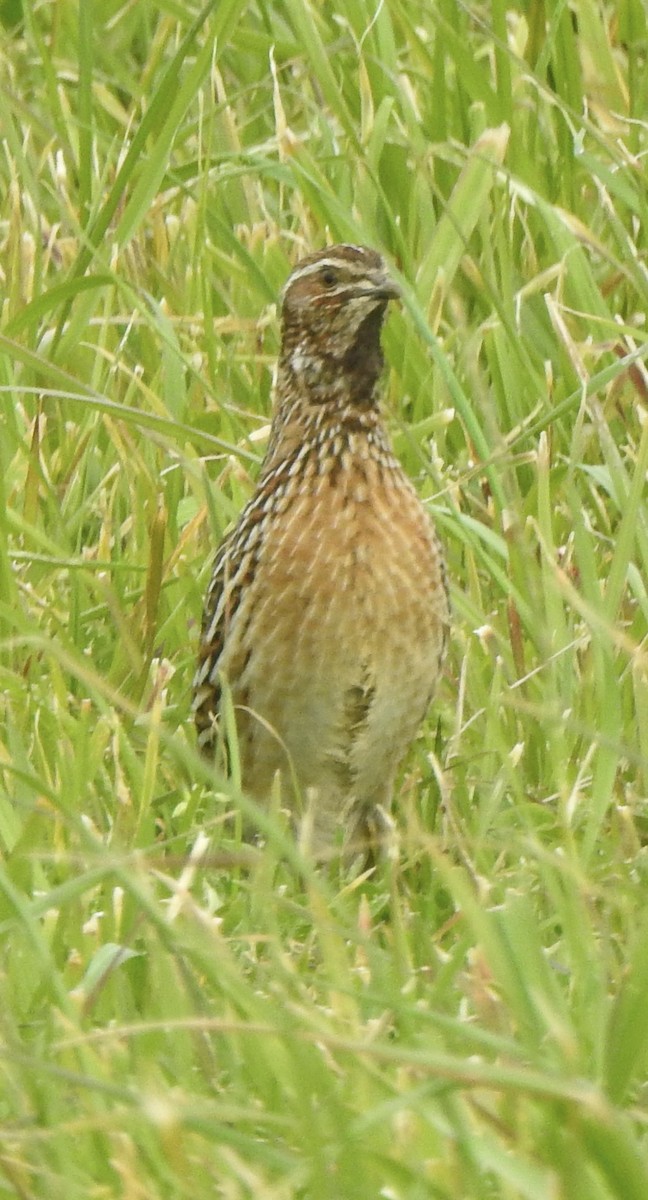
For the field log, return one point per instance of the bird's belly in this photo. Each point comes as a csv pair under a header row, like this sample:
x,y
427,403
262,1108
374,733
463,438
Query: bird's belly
x,y
348,634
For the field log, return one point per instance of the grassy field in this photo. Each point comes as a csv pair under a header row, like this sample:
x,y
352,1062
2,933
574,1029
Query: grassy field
x,y
178,1019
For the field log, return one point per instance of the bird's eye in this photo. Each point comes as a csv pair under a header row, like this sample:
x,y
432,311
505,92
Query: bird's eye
x,y
329,277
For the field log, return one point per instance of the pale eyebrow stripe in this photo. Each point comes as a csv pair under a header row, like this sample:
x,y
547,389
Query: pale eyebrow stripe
x,y
310,269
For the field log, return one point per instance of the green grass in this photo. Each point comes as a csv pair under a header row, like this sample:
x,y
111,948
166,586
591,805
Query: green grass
x,y
177,1020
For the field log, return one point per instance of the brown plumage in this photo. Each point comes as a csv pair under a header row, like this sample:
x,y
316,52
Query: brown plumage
x,y
327,611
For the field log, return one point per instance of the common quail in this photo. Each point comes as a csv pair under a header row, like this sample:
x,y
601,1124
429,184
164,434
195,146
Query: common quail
x,y
327,612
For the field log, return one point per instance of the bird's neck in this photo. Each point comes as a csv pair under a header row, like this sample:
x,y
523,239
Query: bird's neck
x,y
339,365
326,392
315,420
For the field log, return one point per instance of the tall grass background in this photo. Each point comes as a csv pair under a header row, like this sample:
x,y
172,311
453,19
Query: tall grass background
x,y
181,1017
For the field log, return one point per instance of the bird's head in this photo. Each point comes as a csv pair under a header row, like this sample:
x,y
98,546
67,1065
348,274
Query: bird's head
x,y
333,307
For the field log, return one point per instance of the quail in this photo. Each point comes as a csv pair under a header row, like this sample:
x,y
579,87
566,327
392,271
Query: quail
x,y
327,612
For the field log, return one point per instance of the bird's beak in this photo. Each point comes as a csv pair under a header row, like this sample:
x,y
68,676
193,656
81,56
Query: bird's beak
x,y
381,287
389,290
